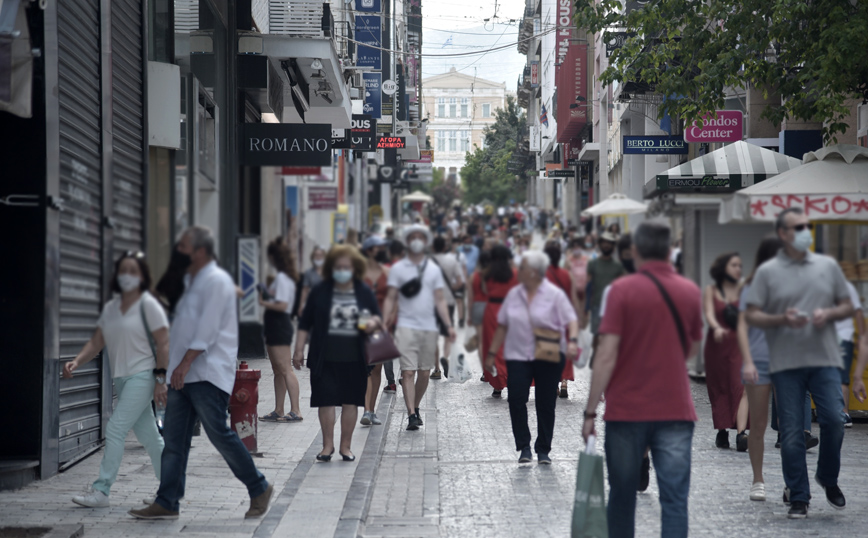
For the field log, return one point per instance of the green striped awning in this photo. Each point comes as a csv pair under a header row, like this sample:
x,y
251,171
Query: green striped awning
x,y
728,169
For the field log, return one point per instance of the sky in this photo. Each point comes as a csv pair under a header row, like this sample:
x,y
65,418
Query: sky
x,y
455,26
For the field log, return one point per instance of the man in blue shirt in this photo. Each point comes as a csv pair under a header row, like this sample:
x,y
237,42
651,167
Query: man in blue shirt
x,y
470,253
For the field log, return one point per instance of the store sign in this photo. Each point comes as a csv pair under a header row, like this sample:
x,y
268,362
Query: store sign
x,y
561,173
819,207
572,81
580,164
393,142
728,126
322,198
387,174
654,145
390,87
369,6
360,136
373,95
282,144
534,74
369,34
698,184
616,40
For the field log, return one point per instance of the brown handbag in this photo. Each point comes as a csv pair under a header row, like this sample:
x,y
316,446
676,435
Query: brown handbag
x,y
380,348
547,342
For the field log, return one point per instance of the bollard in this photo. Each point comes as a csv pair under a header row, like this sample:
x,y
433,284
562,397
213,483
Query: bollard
x,y
242,406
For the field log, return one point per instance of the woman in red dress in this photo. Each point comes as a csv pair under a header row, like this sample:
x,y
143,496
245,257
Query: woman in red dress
x,y
562,279
478,302
500,277
729,409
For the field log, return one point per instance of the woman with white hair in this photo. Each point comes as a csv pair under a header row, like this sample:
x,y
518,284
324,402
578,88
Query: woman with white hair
x,y
530,327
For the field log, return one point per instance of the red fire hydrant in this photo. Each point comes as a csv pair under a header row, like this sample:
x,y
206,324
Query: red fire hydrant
x,y
242,406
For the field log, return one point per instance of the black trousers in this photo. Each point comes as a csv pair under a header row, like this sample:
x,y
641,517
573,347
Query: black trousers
x,y
546,376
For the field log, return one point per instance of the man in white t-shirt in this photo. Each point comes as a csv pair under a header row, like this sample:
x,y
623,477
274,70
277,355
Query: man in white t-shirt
x,y
454,226
454,276
416,286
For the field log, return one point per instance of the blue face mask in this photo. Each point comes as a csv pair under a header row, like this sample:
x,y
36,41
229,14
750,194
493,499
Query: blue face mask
x,y
803,240
342,276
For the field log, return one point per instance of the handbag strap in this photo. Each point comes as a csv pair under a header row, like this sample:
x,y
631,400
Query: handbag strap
x,y
675,316
147,328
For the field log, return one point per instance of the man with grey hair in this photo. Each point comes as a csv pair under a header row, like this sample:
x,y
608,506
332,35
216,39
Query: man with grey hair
x,y
797,297
652,325
203,346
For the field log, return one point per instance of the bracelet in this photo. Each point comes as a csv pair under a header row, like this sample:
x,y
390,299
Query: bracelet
x,y
590,415
574,339
159,371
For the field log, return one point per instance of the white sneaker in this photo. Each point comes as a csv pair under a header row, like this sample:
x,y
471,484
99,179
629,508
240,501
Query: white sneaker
x,y
149,500
92,499
366,419
758,492
375,421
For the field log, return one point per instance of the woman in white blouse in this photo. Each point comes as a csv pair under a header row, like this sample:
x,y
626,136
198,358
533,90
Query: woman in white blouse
x,y
133,329
279,332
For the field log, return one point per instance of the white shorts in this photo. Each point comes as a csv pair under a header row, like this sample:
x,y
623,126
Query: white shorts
x,y
418,349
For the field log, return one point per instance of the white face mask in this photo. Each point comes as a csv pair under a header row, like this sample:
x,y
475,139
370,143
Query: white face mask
x,y
803,240
417,246
319,262
129,282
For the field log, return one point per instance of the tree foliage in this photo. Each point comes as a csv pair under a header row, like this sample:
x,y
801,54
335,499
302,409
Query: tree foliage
x,y
810,52
485,174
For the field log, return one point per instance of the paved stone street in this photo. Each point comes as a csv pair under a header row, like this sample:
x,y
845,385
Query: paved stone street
x,y
456,477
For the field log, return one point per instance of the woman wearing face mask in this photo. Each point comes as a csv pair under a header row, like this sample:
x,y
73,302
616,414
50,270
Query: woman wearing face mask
x,y
278,332
723,360
312,276
340,309
376,277
134,331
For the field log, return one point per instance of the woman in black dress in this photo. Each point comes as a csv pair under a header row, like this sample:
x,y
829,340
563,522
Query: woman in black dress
x,y
337,313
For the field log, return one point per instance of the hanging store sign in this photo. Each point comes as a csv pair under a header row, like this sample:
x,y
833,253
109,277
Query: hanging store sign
x,y
369,34
322,198
387,174
373,94
390,87
728,126
703,184
654,145
369,6
616,40
561,173
572,81
283,144
360,136
391,142
534,74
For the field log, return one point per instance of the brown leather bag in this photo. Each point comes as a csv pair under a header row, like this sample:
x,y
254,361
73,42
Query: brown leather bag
x,y
380,348
547,342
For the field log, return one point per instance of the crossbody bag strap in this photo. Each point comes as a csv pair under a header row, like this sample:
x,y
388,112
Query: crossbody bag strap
x,y
682,335
147,328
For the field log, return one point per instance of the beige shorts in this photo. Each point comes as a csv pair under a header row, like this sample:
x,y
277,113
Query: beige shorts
x,y
418,349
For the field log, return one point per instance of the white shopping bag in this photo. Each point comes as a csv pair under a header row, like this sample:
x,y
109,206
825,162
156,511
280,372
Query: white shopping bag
x,y
459,369
586,344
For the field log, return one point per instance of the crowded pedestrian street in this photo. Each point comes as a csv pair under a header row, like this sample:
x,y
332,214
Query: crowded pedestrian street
x,y
457,478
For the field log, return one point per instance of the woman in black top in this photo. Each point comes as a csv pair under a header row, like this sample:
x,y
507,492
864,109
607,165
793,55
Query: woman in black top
x,y
332,317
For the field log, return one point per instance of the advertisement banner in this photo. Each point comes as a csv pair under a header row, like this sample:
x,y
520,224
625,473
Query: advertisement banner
x,y
727,127
283,144
572,114
322,198
369,6
654,145
534,74
369,30
373,94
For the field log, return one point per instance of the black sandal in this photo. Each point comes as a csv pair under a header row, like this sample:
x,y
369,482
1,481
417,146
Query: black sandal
x,y
325,457
347,458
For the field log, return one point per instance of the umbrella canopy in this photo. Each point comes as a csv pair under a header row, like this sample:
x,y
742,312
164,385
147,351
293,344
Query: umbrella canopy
x,y
616,204
832,184
417,196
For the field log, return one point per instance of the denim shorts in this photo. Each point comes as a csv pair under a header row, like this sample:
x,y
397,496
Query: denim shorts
x,y
762,370
847,355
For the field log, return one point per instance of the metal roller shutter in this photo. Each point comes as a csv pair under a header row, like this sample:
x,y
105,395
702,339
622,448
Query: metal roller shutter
x,y
128,163
80,227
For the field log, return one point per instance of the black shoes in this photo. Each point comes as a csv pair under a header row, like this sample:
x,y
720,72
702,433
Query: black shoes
x,y
563,393
834,495
348,458
414,423
526,455
741,442
645,475
544,459
778,442
419,417
798,510
445,364
496,393
811,440
325,457
722,440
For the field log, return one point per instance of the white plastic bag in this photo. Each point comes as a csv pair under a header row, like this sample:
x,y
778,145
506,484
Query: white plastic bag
x,y
586,344
459,370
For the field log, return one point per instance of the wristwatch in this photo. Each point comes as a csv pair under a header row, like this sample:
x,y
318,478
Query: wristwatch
x,y
574,339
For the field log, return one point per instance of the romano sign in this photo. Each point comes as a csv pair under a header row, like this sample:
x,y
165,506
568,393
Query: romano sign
x,y
699,184
654,145
281,144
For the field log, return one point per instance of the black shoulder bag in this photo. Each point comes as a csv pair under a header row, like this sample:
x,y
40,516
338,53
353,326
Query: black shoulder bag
x,y
678,324
412,287
730,312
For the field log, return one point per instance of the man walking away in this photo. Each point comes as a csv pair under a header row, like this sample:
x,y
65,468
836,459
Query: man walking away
x,y
416,284
602,271
453,275
797,297
203,346
653,324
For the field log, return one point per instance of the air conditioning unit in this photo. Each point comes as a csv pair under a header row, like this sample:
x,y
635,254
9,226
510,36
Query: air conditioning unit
x,y
358,82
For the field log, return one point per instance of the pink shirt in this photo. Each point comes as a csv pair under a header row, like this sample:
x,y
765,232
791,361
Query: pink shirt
x,y
551,309
649,382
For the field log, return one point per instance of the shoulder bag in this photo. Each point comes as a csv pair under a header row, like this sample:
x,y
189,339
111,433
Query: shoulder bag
x,y
547,342
730,312
147,328
682,335
380,348
412,287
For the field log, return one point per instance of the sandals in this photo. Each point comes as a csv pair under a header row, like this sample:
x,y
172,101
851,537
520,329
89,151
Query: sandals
x,y
271,417
292,417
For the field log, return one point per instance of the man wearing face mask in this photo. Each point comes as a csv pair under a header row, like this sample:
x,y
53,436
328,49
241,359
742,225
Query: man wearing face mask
x,y
416,287
797,297
203,347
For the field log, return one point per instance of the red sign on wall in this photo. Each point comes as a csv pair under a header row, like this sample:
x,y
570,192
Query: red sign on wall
x,y
572,83
391,142
325,198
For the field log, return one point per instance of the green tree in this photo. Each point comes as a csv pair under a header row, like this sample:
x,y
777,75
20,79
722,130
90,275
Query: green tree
x,y
810,53
485,175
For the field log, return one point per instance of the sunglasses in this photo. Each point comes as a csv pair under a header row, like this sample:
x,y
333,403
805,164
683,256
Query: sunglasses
x,y
800,227
137,254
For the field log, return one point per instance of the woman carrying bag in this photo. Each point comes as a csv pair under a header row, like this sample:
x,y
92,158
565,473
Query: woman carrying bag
x,y
134,331
530,327
336,316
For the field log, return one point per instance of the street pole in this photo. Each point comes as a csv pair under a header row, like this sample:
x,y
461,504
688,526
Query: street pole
x,y
394,69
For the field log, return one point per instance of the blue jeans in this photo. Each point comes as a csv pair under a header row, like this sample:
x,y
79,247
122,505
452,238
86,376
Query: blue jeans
x,y
807,419
209,404
824,384
670,443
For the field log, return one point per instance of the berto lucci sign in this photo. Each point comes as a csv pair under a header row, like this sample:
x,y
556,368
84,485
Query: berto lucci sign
x,y
654,145
728,126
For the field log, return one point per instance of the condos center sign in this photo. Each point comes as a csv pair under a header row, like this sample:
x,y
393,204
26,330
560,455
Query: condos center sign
x,y
727,126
